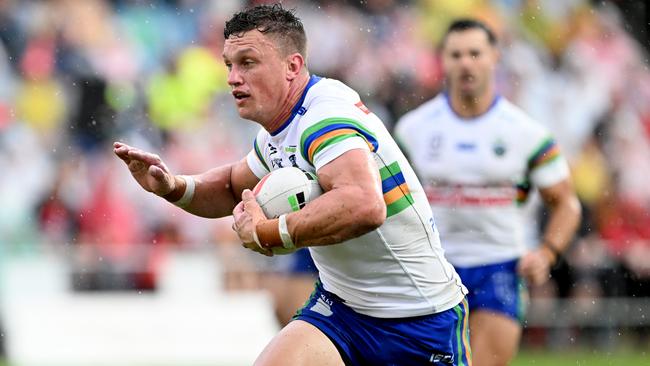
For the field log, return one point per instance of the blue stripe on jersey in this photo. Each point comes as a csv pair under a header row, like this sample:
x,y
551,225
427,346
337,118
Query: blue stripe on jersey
x,y
392,181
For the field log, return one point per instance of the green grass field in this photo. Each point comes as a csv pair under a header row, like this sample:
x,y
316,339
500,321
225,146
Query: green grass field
x,y
582,358
569,358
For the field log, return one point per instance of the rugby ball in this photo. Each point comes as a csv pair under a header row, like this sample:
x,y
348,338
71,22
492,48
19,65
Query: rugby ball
x,y
286,190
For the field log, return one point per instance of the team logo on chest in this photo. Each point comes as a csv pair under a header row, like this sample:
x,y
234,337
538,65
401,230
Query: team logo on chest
x,y
276,156
499,148
276,159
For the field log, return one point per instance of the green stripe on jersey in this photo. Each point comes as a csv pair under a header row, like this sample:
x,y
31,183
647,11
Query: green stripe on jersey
x,y
259,155
399,205
387,171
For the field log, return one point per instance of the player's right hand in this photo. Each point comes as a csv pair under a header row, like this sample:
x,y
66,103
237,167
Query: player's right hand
x,y
146,168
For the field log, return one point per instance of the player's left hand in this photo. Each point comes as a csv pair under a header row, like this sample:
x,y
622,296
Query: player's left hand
x,y
535,266
247,215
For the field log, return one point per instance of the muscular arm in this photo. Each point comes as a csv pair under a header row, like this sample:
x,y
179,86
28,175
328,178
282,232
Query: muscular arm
x,y
351,206
218,190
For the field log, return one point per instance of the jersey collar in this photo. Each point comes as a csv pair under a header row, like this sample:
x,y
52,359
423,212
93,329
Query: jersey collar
x,y
312,80
497,97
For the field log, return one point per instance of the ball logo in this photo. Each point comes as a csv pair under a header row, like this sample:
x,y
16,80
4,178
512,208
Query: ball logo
x,y
297,201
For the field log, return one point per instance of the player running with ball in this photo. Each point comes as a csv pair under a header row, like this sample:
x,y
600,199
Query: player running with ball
x,y
386,294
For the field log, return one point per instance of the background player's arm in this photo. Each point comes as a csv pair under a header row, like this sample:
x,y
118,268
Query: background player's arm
x,y
351,206
564,218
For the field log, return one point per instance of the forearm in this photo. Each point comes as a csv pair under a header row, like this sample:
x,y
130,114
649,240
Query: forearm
x,y
563,222
213,193
336,216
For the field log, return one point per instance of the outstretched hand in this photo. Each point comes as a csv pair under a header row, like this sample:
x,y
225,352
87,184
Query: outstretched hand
x,y
247,215
147,169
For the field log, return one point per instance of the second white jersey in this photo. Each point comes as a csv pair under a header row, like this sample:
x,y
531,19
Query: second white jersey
x,y
477,173
397,270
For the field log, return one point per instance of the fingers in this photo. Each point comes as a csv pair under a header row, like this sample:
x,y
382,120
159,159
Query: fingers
x,y
127,153
251,206
247,195
122,151
156,172
238,210
145,157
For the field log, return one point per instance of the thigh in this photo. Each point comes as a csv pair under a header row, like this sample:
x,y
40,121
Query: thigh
x,y
495,288
294,293
300,343
440,338
494,337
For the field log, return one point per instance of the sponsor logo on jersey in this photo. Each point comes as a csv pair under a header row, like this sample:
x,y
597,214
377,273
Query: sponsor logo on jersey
x,y
466,146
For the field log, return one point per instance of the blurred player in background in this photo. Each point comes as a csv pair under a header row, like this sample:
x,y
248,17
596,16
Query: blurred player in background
x,y
478,157
290,283
386,294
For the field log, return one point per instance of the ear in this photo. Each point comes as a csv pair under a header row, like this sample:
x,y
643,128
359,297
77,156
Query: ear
x,y
295,64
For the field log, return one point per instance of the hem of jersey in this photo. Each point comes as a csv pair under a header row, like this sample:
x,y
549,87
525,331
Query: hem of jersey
x,y
394,313
488,263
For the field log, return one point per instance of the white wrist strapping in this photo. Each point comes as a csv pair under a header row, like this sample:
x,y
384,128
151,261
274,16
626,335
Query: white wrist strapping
x,y
186,199
257,239
287,243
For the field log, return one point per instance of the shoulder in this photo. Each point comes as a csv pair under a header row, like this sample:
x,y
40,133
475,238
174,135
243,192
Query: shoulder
x,y
330,96
329,101
517,117
427,112
261,137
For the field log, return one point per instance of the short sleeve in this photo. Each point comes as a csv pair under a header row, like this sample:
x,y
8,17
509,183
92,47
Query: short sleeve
x,y
255,161
329,138
547,166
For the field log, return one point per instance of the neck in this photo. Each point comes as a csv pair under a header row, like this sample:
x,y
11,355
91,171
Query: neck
x,y
470,106
296,88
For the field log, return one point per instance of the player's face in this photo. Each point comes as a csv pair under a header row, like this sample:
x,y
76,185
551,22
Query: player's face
x,y
256,75
469,61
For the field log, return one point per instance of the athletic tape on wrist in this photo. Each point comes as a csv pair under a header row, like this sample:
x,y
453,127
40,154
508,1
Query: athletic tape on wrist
x,y
257,239
287,243
186,199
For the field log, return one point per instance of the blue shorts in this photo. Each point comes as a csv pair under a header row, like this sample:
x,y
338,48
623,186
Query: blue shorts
x,y
496,287
441,339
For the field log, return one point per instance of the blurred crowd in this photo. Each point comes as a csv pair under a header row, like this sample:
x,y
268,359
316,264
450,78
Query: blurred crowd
x,y
76,75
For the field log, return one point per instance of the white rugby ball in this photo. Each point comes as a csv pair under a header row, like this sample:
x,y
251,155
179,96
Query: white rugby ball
x,y
286,190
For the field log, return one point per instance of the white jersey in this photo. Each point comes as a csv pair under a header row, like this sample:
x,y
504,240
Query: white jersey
x,y
397,270
477,172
